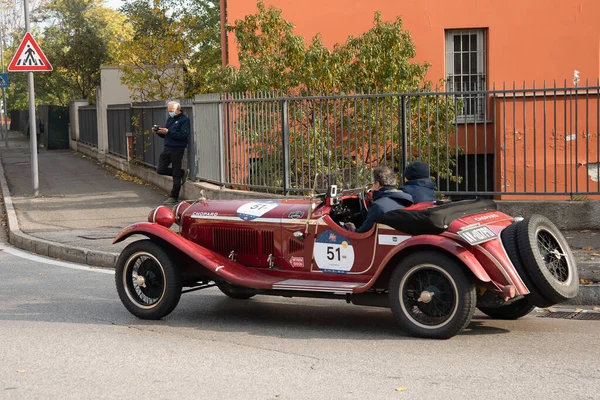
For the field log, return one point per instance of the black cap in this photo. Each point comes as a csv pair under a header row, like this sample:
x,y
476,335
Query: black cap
x,y
417,170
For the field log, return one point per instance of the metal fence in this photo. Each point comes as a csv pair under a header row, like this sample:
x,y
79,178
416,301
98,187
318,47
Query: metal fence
x,y
88,125
118,125
138,119
525,141
508,141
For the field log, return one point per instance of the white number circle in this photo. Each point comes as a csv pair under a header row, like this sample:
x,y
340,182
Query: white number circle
x,y
333,252
255,209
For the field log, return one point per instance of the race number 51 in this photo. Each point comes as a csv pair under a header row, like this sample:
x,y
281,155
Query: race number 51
x,y
333,253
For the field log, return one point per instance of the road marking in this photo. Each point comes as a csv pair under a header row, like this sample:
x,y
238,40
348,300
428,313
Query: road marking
x,y
44,260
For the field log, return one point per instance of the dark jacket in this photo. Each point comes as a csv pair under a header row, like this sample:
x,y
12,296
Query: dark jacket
x,y
385,199
179,131
420,190
39,126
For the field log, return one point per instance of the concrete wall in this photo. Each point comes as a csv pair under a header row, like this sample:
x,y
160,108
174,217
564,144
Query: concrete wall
x,y
111,91
190,191
74,121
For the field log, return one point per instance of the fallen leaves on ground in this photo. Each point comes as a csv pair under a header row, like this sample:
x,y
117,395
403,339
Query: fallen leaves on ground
x,y
401,389
585,281
21,371
126,177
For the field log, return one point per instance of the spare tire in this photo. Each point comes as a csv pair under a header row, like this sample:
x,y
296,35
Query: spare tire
x,y
509,240
548,258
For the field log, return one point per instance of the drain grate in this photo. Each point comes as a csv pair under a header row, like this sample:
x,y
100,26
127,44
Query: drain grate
x,y
579,315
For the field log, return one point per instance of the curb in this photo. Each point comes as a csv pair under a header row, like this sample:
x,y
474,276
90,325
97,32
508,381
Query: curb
x,y
589,295
22,240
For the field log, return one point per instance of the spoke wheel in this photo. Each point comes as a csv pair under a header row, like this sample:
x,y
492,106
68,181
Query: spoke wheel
x,y
511,245
548,258
147,282
431,296
553,255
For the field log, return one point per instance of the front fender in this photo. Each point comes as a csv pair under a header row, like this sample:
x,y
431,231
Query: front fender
x,y
215,263
440,242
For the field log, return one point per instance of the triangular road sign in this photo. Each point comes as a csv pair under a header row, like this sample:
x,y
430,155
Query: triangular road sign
x,y
29,57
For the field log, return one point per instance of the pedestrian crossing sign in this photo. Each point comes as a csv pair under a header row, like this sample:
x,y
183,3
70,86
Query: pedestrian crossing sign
x,y
29,57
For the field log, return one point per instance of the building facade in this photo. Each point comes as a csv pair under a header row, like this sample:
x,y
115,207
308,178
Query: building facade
x,y
536,138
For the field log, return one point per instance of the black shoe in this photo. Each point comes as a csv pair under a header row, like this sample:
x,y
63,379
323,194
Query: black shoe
x,y
170,201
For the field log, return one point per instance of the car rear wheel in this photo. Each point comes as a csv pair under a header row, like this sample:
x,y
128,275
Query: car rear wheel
x,y
431,295
547,255
233,292
148,283
515,310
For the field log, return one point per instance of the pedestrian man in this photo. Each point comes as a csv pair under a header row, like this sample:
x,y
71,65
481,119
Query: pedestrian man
x,y
39,129
385,198
175,133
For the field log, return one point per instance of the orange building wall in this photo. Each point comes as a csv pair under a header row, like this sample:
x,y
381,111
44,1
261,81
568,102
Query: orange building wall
x,y
527,40
551,158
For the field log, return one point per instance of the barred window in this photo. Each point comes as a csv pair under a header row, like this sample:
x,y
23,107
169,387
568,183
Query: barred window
x,y
466,69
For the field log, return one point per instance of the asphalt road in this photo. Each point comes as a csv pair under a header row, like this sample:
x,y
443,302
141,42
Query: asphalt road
x,y
64,334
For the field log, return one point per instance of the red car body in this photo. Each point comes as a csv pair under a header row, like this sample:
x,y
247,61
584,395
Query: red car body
x,y
298,247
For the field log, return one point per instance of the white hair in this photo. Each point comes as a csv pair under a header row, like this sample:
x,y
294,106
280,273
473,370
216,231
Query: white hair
x,y
174,103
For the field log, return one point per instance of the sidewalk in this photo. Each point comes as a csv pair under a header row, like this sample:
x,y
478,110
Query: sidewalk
x,y
81,208
83,205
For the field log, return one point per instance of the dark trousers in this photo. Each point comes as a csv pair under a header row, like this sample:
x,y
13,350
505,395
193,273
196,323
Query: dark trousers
x,y
172,156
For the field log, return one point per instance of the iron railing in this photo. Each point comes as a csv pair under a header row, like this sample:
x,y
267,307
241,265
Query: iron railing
x,y
528,141
525,140
88,125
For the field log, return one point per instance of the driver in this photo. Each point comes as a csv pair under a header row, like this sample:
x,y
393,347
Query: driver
x,y
385,198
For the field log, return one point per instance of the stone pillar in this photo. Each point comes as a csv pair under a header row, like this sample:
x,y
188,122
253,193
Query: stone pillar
x,y
74,121
102,125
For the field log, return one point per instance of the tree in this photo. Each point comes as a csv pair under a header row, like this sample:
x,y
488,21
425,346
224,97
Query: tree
x,y
175,47
78,37
329,134
78,41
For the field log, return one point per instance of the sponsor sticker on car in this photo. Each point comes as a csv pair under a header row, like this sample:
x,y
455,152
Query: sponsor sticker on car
x,y
296,214
297,262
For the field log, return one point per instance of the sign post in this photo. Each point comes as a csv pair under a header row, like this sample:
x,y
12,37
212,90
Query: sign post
x,y
28,58
4,86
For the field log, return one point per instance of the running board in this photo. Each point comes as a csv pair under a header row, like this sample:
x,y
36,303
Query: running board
x,y
317,286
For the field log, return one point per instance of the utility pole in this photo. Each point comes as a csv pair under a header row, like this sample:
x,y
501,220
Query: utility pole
x,y
32,122
5,122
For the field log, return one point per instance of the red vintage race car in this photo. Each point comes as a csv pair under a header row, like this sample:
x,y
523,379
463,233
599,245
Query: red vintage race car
x,y
432,264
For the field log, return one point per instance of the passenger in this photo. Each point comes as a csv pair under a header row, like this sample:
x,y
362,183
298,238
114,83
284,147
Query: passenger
x,y
418,183
385,198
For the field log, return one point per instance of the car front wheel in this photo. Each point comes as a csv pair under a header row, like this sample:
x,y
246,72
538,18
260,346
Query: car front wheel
x,y
148,283
431,295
